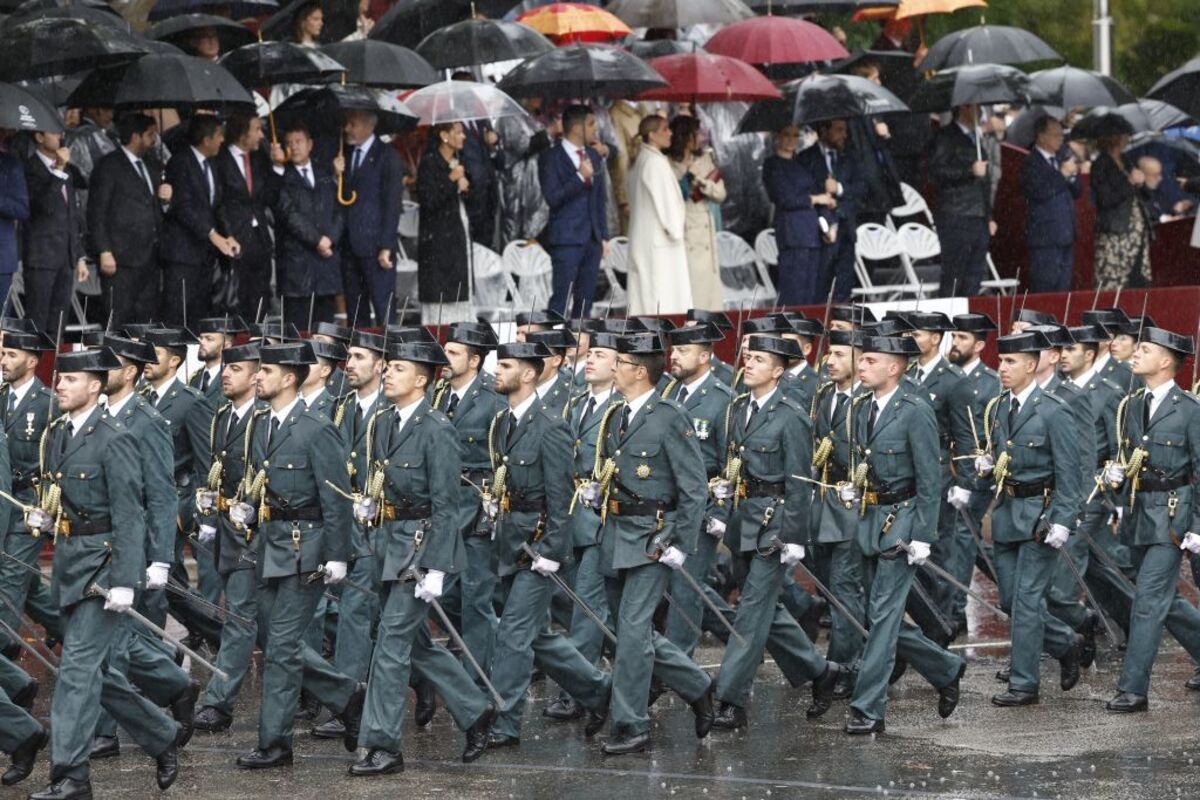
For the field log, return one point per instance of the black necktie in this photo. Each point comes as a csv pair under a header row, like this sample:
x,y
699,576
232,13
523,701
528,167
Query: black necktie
x,y
205,377
683,395
511,429
141,168
753,411
12,402
871,419
1013,411
452,405
358,418
399,422
1146,413
208,181
839,400
273,430
587,411
625,415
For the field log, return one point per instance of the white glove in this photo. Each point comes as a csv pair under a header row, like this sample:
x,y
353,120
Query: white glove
x,y
1057,536
119,600
429,588
206,501
791,554
207,533
491,508
848,493
589,494
1114,473
544,566
722,489
1120,514
335,572
156,575
984,465
715,527
672,557
365,509
1191,543
38,520
918,553
242,514
958,497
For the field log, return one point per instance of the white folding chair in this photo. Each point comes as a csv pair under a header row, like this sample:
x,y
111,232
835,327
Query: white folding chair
x,y
410,220
767,250
878,244
530,266
914,206
616,267
495,296
996,283
924,261
740,275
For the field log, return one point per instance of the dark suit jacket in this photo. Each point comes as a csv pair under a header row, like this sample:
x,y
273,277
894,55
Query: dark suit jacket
x,y
14,208
53,236
849,174
238,208
577,213
1113,195
790,185
191,216
124,218
302,216
1049,202
441,239
379,182
960,193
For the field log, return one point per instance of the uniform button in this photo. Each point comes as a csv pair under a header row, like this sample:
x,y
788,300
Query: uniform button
x,y
506,459
742,448
867,451
643,454
289,466
617,453
1009,443
353,454
266,463
386,462
405,465
1145,438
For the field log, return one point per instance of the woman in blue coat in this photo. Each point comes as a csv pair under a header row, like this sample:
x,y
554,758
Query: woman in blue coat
x,y
796,194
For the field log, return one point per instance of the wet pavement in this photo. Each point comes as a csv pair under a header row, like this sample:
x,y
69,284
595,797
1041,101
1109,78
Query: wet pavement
x,y
1067,747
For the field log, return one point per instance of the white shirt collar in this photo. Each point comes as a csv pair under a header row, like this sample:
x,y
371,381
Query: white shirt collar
x,y
213,371
312,398
405,414
601,397
761,401
1084,379
116,407
969,368
200,157
526,404
241,411
80,417
847,392
47,160
542,390
366,402
573,151
694,385
930,367
135,160
1023,397
799,368
1102,360
366,146
161,391
635,405
968,131
881,402
282,415
1045,155
20,391
237,153
1159,394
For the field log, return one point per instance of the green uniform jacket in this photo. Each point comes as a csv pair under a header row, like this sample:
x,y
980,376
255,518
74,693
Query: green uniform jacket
x,y
1173,445
555,398
189,415
477,405
1081,406
421,470
325,403
213,394
101,477
973,392
1043,445
723,371
902,453
941,386
706,409
229,448
23,427
776,445
158,494
298,460
831,520
800,388
585,522
657,460
353,431
538,461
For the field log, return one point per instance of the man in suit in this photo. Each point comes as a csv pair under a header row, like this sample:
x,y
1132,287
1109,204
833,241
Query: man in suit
x,y
964,177
53,236
373,172
830,161
572,180
247,188
1049,181
14,208
309,223
191,240
124,214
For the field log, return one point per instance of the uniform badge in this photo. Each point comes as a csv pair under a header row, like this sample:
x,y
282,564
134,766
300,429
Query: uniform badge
x,y
643,471
702,429
29,423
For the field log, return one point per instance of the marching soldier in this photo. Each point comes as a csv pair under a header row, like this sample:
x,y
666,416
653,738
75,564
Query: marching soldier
x,y
90,501
315,393
533,321
896,484
21,736
799,379
1111,321
411,492
554,385
1033,459
330,333
215,335
698,316
1158,429
849,318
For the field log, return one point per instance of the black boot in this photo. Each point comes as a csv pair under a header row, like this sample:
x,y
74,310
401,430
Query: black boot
x,y
477,735
860,724
1014,697
265,759
66,789
703,710
27,695
183,709
426,703
624,744
352,716
105,747
211,720
563,709
1069,665
898,670
23,758
948,695
810,620
730,717
310,707
378,762
1127,703
822,690
1087,653
166,767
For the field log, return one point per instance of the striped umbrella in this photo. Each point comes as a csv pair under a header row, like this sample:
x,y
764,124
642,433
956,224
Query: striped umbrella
x,y
567,23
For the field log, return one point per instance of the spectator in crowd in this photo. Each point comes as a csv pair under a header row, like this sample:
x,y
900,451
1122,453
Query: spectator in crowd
x,y
307,25
626,117
797,195
703,192
835,167
483,159
14,208
658,268
963,174
308,226
204,43
1165,199
1050,184
1122,230
444,240
53,237
572,179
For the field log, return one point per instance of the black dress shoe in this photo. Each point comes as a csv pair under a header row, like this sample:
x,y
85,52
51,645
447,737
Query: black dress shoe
x,y
564,709
860,724
66,789
183,709
105,747
1127,703
1087,652
310,707
378,762
1003,674
265,759
1193,682
898,670
626,743
822,690
352,716
948,694
844,688
498,740
332,728
166,767
595,721
477,735
426,703
730,717
1069,665
27,695
23,758
1013,698
211,720
810,620
703,711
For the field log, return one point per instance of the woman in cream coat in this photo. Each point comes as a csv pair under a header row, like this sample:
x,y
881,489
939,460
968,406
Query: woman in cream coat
x,y
703,192
658,264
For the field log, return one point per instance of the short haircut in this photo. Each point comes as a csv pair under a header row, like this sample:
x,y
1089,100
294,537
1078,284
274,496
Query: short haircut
x,y
237,126
575,115
299,370
653,362
200,127
1093,347
538,364
476,351
1042,124
133,124
299,126
649,125
424,369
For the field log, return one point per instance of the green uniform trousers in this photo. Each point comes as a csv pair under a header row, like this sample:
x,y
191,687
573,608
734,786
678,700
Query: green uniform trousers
x,y
1025,571
237,641
16,726
478,581
357,615
1157,603
846,584
686,604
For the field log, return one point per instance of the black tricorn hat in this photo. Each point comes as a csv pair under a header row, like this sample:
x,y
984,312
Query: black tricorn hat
x,y
1135,324
1033,317
604,340
473,334
802,325
659,324
139,352
557,339
277,331
336,332
368,341
1176,343
772,323
847,338
242,352
928,321
892,326
1110,320
98,360
978,324
1056,335
523,350
891,345
407,334
291,354
330,351
546,317
1032,342
31,342
18,325
855,315
623,327
785,348
643,344
227,325
429,353
137,330
175,338
703,333
718,318
1089,334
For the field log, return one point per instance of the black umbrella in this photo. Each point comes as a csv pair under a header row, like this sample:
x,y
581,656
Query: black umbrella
x,y
409,21
818,98
886,59
1020,131
179,81
1142,116
26,10
817,6
178,30
1095,126
579,71
52,91
21,110
979,84
1180,87
44,47
96,16
237,9
482,41
270,63
674,14
657,48
322,108
381,65
1071,87
987,44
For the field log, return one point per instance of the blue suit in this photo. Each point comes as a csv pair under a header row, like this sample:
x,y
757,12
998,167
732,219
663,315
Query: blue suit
x,y
14,208
1049,222
577,229
790,185
837,257
371,224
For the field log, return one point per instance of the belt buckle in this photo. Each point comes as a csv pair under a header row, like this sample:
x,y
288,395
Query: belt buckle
x,y
871,498
265,513
1010,490
614,507
506,504
389,512
64,527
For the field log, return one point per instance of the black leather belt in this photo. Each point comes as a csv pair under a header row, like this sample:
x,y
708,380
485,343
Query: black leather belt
x,y
477,476
84,527
1023,490
21,482
837,473
394,512
638,508
526,506
760,488
891,497
297,514
1162,484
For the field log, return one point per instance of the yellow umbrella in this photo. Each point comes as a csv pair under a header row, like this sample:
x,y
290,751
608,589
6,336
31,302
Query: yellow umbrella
x,y
566,23
915,8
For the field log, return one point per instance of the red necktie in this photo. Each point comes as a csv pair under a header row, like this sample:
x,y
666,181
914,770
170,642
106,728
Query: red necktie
x,y
583,157
246,170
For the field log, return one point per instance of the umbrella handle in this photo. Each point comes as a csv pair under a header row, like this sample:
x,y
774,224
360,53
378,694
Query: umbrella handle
x,y
341,198
271,120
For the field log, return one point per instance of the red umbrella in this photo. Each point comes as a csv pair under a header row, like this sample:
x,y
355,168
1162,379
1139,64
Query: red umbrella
x,y
775,42
707,78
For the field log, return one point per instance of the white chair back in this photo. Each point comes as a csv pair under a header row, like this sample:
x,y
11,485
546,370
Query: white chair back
x,y
530,266
739,268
